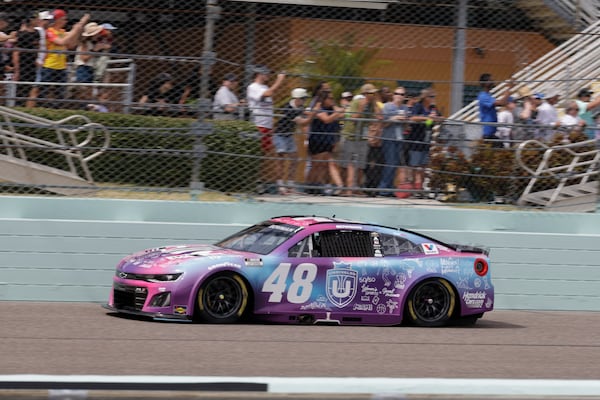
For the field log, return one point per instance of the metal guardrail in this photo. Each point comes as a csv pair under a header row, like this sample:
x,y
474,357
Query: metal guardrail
x,y
68,144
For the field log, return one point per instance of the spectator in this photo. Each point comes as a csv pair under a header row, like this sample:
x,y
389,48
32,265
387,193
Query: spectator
x,y
597,129
7,41
393,139
375,159
524,115
406,176
345,101
323,136
162,96
285,140
106,41
547,115
85,63
571,121
260,104
487,106
506,117
24,68
226,102
59,40
356,148
426,114
44,20
102,104
321,87
586,106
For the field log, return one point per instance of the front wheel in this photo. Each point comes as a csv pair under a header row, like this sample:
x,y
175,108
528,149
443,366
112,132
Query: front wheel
x,y
431,303
222,299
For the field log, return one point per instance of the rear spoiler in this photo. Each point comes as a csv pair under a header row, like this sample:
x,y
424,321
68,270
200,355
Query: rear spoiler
x,y
471,249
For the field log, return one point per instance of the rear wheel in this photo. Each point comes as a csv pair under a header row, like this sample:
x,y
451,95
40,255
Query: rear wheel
x,y
222,299
431,303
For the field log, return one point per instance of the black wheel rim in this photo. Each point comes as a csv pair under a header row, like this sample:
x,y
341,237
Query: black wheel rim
x,y
432,301
222,297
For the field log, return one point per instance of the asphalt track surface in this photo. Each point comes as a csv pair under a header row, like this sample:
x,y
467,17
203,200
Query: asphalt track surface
x,y
85,339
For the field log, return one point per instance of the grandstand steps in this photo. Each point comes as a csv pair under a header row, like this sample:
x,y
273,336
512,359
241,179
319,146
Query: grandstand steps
x,y
556,26
581,197
16,170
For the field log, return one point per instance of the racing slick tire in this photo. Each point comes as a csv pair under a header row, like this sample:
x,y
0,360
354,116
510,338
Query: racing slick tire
x,y
222,299
431,303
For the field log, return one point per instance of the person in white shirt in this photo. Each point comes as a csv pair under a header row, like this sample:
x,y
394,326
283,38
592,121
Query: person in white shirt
x,y
571,121
547,115
506,116
226,102
260,103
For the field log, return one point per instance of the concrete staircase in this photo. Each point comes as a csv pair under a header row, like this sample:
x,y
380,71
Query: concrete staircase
x,y
574,186
78,141
559,20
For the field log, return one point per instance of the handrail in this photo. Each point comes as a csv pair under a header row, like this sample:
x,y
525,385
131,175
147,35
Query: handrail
x,y
574,62
69,145
563,173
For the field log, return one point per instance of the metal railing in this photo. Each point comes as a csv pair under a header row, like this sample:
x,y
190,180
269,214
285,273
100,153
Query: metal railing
x,y
578,171
571,66
69,143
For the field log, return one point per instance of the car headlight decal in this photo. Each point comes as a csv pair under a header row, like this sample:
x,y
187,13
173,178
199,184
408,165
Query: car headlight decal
x,y
154,278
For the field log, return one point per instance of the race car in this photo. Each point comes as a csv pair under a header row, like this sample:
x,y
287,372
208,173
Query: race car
x,y
309,270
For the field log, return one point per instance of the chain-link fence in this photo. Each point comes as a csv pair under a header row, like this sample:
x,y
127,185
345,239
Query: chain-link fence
x,y
174,86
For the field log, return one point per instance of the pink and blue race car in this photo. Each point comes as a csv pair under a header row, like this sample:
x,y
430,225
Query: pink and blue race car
x,y
309,270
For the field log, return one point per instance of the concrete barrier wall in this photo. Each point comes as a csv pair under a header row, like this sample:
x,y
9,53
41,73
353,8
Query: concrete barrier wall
x,y
57,249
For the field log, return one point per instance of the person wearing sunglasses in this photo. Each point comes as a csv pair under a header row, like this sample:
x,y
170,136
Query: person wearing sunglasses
x,y
587,106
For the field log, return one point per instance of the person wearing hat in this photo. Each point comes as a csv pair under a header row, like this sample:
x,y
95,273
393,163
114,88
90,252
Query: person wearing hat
x,y
547,114
355,149
59,40
284,139
85,63
260,102
524,114
586,107
488,104
24,68
259,96
226,102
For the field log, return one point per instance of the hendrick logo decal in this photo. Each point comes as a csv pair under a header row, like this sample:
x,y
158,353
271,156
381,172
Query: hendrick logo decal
x,y
341,286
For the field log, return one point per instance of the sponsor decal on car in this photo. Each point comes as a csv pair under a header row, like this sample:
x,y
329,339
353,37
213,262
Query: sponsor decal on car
x,y
342,284
253,262
474,299
430,248
180,310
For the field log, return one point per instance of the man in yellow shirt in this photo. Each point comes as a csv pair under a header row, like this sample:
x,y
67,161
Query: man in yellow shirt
x,y
59,40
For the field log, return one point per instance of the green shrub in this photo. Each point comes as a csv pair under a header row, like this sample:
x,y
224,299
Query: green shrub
x,y
159,151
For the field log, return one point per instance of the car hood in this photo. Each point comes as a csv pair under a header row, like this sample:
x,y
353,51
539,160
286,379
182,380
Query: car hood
x,y
170,258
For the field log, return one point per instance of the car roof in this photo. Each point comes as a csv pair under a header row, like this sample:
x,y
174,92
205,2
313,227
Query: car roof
x,y
304,220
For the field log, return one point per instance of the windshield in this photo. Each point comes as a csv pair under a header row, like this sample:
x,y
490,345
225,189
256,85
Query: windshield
x,y
262,238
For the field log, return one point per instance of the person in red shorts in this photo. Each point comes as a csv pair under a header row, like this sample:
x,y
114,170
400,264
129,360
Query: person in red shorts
x,y
260,103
